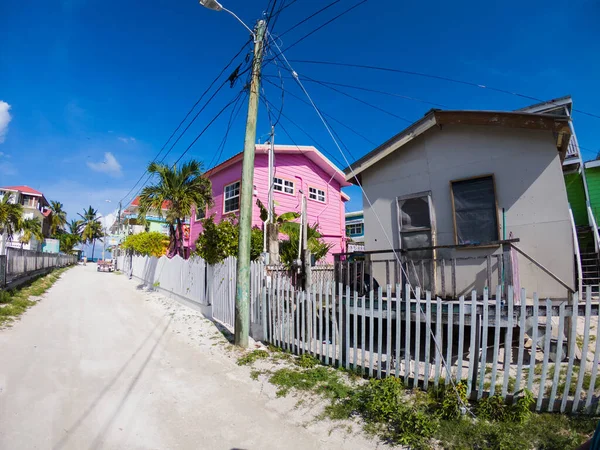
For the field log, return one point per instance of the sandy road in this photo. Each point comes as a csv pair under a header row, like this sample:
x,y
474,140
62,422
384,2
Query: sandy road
x,y
99,364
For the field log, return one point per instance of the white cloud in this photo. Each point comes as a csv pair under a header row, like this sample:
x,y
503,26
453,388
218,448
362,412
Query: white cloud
x,y
5,118
109,166
126,140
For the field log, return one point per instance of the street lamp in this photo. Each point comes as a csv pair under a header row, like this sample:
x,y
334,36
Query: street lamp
x,y
214,5
242,291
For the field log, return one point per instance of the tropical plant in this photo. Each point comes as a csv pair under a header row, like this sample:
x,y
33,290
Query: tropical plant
x,y
147,244
58,219
220,240
10,216
288,249
279,220
30,228
182,188
74,227
69,239
91,228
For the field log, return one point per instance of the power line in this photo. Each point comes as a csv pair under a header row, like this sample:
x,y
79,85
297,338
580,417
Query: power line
x,y
188,114
325,114
319,27
436,77
309,17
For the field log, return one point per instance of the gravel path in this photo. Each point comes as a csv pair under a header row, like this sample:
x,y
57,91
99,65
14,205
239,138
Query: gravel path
x,y
100,364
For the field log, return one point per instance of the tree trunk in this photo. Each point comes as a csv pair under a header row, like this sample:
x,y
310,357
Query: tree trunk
x,y
172,241
93,248
180,238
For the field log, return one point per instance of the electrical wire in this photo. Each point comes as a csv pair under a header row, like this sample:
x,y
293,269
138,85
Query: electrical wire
x,y
437,345
321,26
309,17
188,114
436,77
349,128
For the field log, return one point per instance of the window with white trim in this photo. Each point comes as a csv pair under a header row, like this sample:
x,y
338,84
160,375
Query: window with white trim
x,y
200,214
354,229
316,194
281,185
231,197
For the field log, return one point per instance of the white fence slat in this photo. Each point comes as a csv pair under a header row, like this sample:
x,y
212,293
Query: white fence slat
x,y
263,313
291,315
341,329
461,337
355,331
448,366
388,334
287,292
327,325
320,315
302,322
546,351
407,334
508,341
498,318
522,303
363,347
334,327
484,342
473,357
347,329
313,324
439,345
428,334
591,388
584,349
379,330
397,359
418,318
571,339
298,331
371,331
285,287
534,339
558,358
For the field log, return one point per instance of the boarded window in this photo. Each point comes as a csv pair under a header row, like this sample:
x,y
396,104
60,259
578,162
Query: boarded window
x,y
232,197
475,212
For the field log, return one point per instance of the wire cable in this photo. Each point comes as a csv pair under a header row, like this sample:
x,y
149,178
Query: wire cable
x,y
188,114
436,77
309,17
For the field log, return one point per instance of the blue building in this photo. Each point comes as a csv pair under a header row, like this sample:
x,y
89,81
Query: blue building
x,y
355,226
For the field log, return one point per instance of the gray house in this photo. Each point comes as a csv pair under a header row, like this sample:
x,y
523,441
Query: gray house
x,y
470,200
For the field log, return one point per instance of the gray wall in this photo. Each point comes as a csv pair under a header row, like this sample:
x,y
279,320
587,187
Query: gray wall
x,y
529,185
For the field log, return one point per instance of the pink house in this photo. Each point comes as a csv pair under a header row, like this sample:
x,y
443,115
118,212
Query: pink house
x,y
296,169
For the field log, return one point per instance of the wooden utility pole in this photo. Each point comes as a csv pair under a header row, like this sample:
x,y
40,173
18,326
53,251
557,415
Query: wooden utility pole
x,y
242,296
306,258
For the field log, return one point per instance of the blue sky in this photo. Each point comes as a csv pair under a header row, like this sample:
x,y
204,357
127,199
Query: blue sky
x,y
94,89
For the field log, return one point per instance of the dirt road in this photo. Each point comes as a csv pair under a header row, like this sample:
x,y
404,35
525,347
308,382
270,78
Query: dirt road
x,y
99,364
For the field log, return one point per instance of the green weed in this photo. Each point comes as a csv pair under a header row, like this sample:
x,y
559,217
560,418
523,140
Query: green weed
x,y
250,358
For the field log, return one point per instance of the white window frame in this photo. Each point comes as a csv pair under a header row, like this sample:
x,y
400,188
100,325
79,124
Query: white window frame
x,y
352,227
314,193
282,185
225,197
203,214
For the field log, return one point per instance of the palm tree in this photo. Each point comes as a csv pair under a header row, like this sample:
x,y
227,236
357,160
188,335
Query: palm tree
x,y
10,219
75,227
182,189
91,228
31,228
289,248
59,217
69,240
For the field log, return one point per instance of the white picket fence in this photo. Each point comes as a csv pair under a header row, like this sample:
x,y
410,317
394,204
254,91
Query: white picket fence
x,y
19,263
196,281
496,348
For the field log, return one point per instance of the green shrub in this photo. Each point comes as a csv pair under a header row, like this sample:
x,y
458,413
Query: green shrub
x,y
250,358
147,244
380,399
306,361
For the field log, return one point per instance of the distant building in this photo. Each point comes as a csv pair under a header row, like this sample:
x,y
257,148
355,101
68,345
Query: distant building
x,y
35,206
355,226
297,169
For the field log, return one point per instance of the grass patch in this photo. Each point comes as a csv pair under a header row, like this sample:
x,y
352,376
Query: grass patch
x,y
16,302
249,358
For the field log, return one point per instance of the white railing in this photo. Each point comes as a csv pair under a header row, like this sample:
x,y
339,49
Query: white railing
x,y
382,335
594,226
577,252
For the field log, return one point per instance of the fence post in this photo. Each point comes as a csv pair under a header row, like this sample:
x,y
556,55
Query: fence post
x,y
2,270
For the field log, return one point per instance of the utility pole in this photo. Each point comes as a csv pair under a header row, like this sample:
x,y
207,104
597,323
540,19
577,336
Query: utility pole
x,y
306,258
242,297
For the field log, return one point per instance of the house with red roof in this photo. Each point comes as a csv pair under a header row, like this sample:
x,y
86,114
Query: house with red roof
x,y
296,170
35,206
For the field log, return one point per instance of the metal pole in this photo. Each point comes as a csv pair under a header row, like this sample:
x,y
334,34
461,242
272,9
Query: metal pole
x,y
242,297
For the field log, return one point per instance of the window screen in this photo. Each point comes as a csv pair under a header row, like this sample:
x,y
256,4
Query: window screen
x,y
232,197
475,211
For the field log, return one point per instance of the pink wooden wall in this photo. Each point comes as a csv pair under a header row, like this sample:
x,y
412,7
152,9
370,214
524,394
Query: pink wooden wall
x,y
304,173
